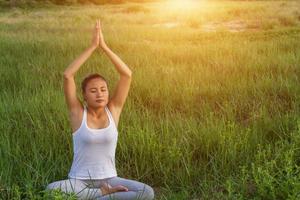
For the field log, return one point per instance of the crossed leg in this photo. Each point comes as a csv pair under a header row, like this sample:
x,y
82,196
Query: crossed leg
x,y
136,190
79,187
90,189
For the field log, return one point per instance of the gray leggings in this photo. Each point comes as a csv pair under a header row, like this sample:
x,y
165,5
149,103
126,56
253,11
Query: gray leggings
x,y
90,189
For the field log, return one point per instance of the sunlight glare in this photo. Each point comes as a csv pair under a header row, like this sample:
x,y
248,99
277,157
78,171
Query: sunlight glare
x,y
181,4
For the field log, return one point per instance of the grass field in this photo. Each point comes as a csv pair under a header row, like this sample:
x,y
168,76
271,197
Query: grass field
x,y
213,110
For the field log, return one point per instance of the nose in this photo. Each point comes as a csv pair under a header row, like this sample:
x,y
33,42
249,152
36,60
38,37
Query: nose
x,y
99,94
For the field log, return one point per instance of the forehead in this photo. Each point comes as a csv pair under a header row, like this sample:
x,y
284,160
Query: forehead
x,y
96,82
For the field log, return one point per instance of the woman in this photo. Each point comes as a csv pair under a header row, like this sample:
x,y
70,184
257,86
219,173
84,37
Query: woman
x,y
93,174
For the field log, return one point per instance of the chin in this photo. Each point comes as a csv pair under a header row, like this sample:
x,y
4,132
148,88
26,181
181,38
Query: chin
x,y
97,105
101,105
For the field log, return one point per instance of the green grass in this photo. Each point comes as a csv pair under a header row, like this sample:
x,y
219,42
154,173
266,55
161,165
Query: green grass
x,y
210,114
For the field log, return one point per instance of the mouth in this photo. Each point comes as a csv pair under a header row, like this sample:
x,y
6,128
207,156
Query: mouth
x,y
99,100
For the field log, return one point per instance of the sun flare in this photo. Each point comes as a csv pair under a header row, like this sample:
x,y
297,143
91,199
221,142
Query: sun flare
x,y
182,4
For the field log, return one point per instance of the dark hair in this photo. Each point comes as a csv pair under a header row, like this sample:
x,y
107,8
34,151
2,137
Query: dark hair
x,y
90,77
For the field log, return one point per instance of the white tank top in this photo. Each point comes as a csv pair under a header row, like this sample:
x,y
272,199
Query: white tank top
x,y
94,150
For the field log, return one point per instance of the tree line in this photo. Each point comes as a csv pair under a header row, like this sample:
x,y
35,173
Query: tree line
x,y
15,3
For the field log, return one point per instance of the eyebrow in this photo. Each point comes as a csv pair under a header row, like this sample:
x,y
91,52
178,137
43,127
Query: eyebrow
x,y
96,88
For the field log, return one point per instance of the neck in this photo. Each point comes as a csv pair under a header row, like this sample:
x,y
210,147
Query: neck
x,y
96,111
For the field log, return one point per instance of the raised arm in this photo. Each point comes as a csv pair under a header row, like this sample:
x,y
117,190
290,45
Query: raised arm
x,y
121,91
72,101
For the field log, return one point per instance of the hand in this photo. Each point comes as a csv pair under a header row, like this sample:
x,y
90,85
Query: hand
x,y
96,35
102,43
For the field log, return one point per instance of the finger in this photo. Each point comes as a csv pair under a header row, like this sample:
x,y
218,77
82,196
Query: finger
x,y
97,24
124,188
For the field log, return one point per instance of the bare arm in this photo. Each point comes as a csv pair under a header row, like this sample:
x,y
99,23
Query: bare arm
x,y
76,64
72,101
120,94
120,66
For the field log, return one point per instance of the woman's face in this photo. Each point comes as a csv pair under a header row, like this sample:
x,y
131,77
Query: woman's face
x,y
96,93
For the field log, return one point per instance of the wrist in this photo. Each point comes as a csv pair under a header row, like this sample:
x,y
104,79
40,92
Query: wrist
x,y
93,47
104,47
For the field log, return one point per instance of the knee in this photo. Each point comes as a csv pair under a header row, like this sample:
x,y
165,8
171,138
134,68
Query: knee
x,y
65,185
56,185
51,186
147,192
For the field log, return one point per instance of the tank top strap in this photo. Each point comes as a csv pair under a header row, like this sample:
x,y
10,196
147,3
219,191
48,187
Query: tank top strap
x,y
84,113
109,114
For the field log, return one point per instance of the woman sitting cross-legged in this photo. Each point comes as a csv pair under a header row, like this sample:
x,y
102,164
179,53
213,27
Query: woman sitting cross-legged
x,y
94,124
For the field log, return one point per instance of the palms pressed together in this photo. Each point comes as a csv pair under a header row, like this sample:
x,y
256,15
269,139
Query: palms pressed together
x,y
98,39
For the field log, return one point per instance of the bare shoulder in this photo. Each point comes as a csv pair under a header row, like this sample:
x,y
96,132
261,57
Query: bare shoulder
x,y
76,116
115,111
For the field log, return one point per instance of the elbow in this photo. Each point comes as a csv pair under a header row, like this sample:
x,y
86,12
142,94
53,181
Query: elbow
x,y
128,74
67,75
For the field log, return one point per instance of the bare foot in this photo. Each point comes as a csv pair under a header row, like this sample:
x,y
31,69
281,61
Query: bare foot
x,y
107,189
